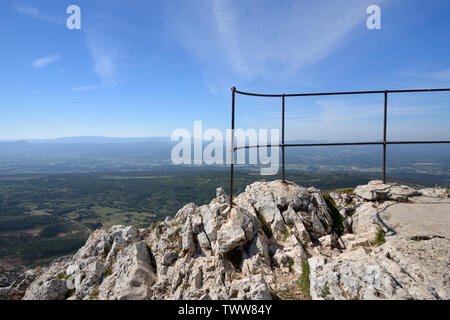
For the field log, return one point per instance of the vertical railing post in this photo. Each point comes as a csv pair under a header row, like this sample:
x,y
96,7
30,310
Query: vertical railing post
x,y
282,137
233,93
384,135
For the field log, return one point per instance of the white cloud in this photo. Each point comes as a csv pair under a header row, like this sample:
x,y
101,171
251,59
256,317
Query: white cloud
x,y
85,88
42,62
31,11
104,52
102,47
263,38
227,29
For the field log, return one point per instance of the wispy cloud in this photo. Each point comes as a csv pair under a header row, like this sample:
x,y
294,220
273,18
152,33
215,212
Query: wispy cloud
x,y
441,75
104,50
227,25
347,120
212,89
85,88
338,111
269,39
42,62
32,11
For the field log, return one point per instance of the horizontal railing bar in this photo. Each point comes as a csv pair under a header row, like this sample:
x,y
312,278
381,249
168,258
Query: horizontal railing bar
x,y
338,93
417,142
309,145
331,144
337,144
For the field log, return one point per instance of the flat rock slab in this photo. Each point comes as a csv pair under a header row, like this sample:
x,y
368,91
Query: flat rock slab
x,y
425,217
413,263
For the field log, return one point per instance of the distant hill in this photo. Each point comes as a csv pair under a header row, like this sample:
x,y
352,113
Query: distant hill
x,y
92,139
98,154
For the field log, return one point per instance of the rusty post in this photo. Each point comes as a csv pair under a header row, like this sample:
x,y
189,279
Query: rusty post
x,y
384,135
282,137
233,94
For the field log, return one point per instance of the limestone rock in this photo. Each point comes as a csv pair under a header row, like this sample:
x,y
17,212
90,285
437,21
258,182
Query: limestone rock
x,y
238,230
258,250
434,192
253,288
377,190
132,276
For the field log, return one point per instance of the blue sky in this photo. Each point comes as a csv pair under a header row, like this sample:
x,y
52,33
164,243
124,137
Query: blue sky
x,y
144,68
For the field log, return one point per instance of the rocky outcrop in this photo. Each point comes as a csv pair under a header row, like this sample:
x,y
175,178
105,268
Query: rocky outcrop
x,y
377,190
401,269
276,240
398,248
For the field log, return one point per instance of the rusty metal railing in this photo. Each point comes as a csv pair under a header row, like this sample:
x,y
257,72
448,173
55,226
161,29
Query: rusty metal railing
x,y
283,145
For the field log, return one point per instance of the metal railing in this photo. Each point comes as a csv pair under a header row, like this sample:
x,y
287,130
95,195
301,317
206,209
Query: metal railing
x,y
283,145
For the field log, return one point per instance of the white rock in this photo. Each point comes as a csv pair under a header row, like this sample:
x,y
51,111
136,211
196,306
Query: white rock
x,y
253,288
434,192
239,229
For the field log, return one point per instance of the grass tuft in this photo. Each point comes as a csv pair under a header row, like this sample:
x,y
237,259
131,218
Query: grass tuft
x,y
155,224
290,264
325,291
109,271
379,238
345,190
95,293
351,212
303,281
63,276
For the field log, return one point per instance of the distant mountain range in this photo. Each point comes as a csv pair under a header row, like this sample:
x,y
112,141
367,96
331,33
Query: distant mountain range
x,y
91,154
91,139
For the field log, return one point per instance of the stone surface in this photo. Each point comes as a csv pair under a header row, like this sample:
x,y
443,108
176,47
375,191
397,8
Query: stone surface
x,y
259,249
238,230
413,263
377,190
